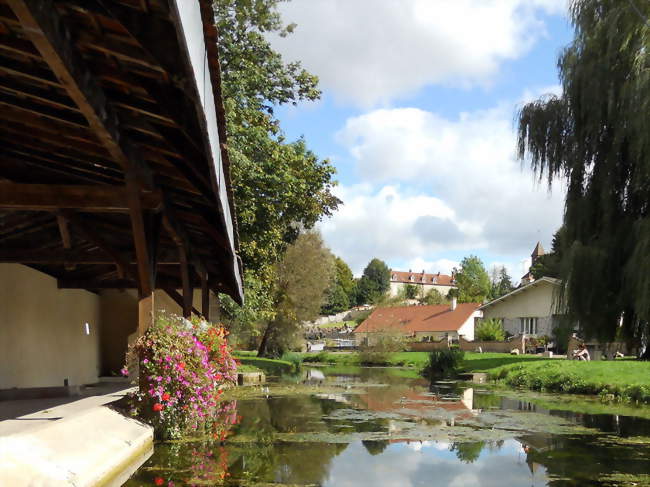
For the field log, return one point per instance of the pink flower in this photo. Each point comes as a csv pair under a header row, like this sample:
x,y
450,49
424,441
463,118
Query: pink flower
x,y
124,371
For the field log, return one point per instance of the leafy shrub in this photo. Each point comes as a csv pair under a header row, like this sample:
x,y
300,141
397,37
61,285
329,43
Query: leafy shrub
x,y
443,362
181,377
384,345
293,358
490,330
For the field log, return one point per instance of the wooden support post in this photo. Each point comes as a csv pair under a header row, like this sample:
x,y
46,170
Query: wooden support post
x,y
145,312
205,296
145,274
187,286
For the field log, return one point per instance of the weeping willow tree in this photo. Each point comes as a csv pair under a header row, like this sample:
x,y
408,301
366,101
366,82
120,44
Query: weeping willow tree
x,y
596,136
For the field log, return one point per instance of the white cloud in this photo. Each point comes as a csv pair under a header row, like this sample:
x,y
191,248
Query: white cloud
x,y
434,185
372,51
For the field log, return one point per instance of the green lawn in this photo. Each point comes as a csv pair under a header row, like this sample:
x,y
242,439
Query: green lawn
x,y
269,366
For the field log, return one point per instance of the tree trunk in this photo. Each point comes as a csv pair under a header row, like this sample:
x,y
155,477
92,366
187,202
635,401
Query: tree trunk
x,y
262,350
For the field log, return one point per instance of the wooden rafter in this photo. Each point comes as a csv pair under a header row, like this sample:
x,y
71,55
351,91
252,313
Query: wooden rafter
x,y
48,197
47,31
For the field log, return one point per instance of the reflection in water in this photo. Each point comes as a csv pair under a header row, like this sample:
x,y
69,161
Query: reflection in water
x,y
375,427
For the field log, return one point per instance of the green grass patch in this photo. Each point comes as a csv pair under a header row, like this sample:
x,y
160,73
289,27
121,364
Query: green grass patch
x,y
626,380
268,365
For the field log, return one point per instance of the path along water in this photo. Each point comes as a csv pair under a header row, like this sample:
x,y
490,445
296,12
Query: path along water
x,y
387,427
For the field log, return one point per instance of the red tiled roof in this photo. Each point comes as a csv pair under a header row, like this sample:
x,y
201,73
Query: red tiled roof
x,y
417,278
409,319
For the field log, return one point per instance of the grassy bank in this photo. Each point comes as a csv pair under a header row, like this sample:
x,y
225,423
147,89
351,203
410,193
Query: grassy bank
x,y
627,380
267,365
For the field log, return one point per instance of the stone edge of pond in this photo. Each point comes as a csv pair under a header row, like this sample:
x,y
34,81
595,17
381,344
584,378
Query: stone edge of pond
x,y
98,447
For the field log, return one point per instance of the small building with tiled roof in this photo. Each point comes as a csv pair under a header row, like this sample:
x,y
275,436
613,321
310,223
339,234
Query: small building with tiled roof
x,y
419,323
422,280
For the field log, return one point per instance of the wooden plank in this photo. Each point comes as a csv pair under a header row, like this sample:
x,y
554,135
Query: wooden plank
x,y
45,28
46,197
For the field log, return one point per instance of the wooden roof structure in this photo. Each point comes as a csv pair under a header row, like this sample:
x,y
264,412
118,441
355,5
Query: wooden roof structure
x,y
113,164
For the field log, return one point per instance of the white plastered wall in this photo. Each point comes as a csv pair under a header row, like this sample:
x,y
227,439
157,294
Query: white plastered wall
x,y
42,331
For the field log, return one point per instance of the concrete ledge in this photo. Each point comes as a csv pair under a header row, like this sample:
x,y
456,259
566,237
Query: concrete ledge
x,y
96,447
38,392
249,378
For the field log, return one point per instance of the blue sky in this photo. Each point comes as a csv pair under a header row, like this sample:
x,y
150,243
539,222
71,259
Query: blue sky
x,y
417,115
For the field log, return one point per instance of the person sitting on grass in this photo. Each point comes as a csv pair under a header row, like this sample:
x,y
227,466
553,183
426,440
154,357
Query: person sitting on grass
x,y
581,353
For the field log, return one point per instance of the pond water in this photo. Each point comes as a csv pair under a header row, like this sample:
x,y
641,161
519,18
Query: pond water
x,y
387,427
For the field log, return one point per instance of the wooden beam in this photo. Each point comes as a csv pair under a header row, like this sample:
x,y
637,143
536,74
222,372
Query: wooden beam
x,y
46,197
142,250
81,283
47,31
59,257
205,296
188,292
178,299
64,230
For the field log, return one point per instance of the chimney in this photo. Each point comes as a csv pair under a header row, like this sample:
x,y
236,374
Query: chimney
x,y
454,302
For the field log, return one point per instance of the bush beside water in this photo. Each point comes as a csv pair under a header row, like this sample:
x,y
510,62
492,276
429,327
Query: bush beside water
x,y
443,362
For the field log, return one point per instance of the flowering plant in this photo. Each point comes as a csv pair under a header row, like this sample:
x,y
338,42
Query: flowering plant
x,y
181,378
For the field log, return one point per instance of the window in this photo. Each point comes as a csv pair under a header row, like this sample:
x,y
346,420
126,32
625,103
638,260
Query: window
x,y
528,326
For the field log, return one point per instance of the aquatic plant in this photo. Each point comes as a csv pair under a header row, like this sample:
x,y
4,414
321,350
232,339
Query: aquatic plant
x,y
183,367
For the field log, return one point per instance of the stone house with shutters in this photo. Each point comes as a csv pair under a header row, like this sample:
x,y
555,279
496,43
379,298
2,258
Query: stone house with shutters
x,y
443,283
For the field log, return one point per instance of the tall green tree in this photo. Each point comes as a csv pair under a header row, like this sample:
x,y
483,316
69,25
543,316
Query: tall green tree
x,y
472,280
301,278
374,283
500,283
340,294
280,187
596,137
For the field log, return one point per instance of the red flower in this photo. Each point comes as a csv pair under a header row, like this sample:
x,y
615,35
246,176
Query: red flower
x,y
157,407
166,396
158,481
181,365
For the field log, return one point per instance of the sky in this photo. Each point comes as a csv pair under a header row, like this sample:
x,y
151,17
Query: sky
x,y
418,116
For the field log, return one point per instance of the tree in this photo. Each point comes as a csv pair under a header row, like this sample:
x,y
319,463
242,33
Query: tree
x,y
501,283
595,136
301,278
341,291
490,330
472,280
410,291
280,188
433,296
468,452
245,322
374,282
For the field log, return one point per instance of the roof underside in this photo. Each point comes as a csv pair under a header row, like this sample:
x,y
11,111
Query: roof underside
x,y
106,152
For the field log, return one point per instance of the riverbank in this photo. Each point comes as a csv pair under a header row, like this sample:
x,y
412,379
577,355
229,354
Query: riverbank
x,y
624,379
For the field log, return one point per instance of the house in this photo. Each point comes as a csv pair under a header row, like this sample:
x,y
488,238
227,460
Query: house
x,y
423,281
530,309
418,323
115,195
